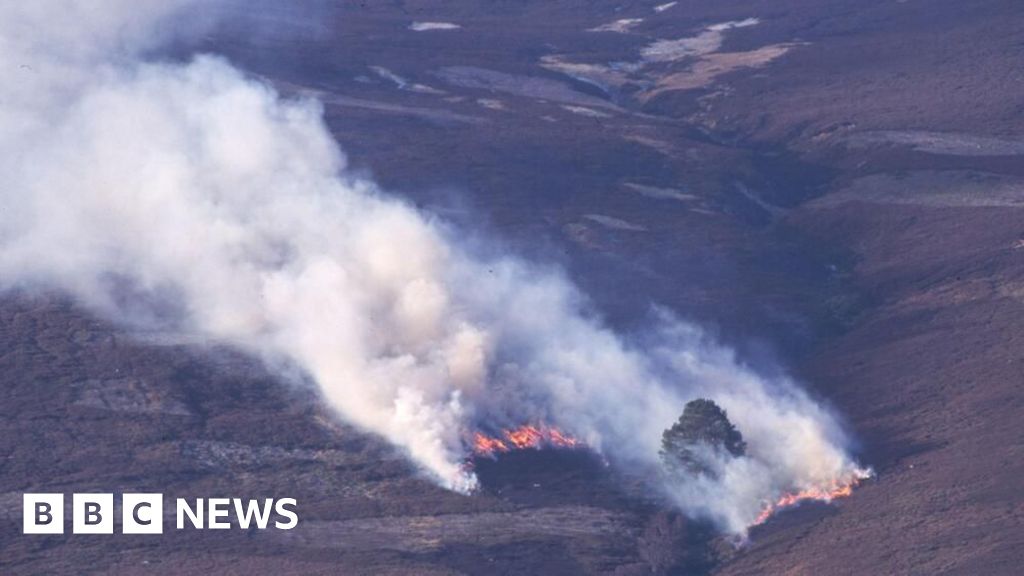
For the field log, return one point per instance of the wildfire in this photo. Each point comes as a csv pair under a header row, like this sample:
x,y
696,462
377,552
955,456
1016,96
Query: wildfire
x,y
521,438
837,489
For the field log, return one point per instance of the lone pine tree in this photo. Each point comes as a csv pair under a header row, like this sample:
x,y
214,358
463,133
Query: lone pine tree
x,y
702,426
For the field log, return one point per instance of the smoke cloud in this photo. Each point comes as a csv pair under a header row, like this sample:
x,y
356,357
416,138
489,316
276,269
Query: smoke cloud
x,y
194,198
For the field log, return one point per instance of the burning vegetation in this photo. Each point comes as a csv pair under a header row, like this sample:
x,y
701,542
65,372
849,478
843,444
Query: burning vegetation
x,y
521,438
673,541
689,447
837,489
704,434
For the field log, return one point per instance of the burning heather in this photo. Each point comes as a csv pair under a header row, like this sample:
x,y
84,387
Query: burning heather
x,y
835,489
524,437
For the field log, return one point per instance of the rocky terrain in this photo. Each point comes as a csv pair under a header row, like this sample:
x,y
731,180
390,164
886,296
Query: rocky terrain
x,y
830,186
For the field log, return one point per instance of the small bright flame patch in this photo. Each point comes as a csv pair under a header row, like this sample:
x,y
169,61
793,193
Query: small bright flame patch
x,y
836,489
522,438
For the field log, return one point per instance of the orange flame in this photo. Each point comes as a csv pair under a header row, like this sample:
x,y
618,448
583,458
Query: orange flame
x,y
486,446
521,438
836,489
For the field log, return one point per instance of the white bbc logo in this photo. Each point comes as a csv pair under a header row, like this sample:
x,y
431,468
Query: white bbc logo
x,y
93,514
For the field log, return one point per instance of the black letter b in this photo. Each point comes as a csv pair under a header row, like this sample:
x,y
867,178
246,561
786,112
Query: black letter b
x,y
92,514
43,511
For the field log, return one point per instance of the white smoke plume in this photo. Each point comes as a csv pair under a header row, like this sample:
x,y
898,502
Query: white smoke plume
x,y
127,179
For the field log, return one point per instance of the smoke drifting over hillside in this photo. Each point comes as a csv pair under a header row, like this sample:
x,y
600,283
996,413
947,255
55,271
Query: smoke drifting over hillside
x,y
193,198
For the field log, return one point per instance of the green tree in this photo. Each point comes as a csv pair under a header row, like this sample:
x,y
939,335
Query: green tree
x,y
703,424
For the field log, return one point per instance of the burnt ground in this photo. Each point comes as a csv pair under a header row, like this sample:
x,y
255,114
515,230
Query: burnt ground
x,y
835,189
